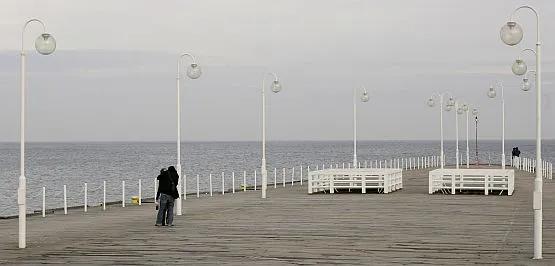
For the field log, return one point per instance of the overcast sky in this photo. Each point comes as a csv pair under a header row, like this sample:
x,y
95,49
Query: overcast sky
x,y
112,76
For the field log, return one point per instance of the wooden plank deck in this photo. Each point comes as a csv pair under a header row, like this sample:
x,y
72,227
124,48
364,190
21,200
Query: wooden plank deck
x,y
406,227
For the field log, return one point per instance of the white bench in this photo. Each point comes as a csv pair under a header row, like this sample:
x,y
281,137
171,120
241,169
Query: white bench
x,y
382,179
453,180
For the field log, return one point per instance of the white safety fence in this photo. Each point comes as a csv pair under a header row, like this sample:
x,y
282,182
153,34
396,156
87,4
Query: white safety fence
x,y
449,181
529,165
228,183
383,180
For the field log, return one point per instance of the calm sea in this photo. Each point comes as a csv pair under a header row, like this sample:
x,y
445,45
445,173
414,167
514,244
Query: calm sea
x,y
53,165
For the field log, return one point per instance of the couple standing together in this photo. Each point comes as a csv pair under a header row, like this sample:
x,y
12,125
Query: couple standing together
x,y
166,195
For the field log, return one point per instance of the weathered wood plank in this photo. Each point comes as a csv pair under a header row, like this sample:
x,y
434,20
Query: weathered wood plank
x,y
291,227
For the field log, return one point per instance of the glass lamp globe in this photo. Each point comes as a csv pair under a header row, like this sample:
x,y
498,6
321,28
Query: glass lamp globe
x,y
460,111
451,101
525,85
491,92
519,67
464,107
276,86
431,102
364,98
511,33
45,44
447,108
475,111
194,71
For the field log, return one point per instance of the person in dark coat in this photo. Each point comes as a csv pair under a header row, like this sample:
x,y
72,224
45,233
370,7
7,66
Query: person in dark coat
x,y
166,195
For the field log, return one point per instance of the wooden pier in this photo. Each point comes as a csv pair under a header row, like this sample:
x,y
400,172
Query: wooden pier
x,y
290,227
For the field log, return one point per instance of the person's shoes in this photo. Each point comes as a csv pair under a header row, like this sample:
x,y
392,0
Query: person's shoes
x,y
170,225
157,225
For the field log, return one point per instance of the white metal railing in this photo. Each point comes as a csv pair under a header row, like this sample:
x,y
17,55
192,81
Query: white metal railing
x,y
384,180
450,180
291,175
529,165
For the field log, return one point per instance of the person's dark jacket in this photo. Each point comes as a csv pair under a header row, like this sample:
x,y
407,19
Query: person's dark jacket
x,y
167,183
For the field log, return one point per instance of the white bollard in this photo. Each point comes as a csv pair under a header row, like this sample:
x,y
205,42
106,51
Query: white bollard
x,y
85,206
233,181
293,175
323,167
104,195
343,167
123,194
223,184
155,188
380,164
210,184
254,180
65,199
244,180
43,202
301,175
284,175
140,193
198,188
275,177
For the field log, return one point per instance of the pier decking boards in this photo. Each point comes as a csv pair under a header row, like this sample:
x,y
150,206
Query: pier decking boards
x,y
291,227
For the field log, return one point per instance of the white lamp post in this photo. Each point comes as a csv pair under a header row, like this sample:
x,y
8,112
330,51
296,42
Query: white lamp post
x,y
45,44
511,34
465,108
193,72
431,103
458,111
492,94
276,87
363,98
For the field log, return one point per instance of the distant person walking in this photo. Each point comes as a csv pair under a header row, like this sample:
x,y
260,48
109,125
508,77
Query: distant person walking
x,y
166,195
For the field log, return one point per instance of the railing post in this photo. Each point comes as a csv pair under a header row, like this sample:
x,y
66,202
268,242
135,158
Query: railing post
x,y
284,175
301,175
244,180
233,181
275,177
104,195
140,193
123,193
85,206
223,184
43,202
198,188
293,175
254,180
210,178
65,199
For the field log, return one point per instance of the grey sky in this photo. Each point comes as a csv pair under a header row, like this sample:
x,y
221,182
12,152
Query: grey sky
x,y
113,74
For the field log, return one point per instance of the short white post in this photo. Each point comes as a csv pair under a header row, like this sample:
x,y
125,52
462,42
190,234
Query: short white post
x,y
292,175
302,175
365,164
284,175
65,199
223,184
317,167
410,163
85,206
198,188
155,188
343,166
380,163
123,193
140,193
184,188
244,180
210,184
104,195
323,167
275,177
233,181
43,202
254,180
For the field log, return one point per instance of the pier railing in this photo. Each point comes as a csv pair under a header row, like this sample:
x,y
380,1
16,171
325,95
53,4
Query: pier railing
x,y
106,193
529,165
